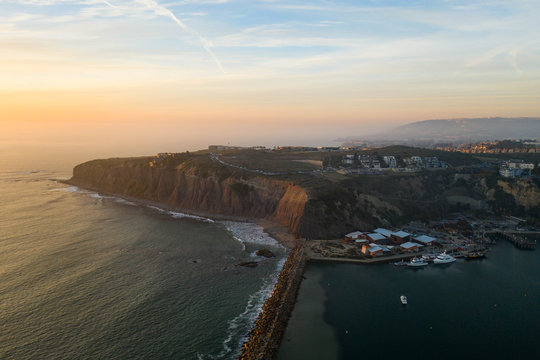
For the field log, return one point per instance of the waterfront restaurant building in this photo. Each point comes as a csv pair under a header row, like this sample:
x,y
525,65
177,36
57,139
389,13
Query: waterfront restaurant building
x,y
400,237
387,233
351,237
409,246
376,237
372,249
425,240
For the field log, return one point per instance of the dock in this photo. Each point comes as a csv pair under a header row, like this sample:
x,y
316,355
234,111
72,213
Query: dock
x,y
518,241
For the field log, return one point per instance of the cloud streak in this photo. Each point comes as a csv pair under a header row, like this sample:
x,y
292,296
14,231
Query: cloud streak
x,y
163,11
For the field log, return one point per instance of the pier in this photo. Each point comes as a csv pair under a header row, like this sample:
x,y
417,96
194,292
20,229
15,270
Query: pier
x,y
518,241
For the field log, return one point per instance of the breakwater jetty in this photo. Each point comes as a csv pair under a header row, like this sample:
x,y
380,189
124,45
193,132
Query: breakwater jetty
x,y
265,336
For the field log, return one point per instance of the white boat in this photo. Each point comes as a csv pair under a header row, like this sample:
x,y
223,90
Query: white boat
x,y
444,258
403,299
417,262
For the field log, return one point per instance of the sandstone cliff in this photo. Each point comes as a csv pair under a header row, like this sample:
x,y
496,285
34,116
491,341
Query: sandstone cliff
x,y
313,206
195,183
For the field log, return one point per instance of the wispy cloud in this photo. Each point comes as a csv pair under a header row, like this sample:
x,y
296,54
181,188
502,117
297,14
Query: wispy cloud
x,y
163,11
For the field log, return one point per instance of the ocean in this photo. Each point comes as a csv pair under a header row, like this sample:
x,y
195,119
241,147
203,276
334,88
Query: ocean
x,y
86,276
471,309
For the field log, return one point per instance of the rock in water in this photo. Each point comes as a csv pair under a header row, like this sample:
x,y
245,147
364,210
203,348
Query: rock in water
x,y
265,252
251,264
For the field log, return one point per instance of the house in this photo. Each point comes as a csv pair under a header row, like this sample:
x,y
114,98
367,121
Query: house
x,y
400,237
376,237
424,240
387,233
390,161
409,247
510,172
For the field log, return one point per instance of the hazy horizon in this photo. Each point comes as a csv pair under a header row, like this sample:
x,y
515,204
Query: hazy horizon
x,y
142,76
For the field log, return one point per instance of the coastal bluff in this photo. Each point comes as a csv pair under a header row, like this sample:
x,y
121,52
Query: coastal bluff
x,y
312,203
195,183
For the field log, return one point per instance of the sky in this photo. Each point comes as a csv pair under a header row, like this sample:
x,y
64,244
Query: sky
x,y
157,75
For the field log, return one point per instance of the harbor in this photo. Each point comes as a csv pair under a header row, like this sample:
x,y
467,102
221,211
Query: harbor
x,y
356,310
382,246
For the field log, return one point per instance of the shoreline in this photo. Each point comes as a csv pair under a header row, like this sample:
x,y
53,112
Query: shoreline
x,y
275,230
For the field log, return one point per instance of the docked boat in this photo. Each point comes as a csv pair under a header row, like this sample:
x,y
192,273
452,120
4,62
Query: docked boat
x,y
444,258
403,299
429,257
417,262
401,263
475,255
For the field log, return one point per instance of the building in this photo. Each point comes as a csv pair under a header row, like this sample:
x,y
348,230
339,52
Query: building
x,y
387,233
510,172
424,240
390,161
410,247
376,237
400,237
354,235
372,250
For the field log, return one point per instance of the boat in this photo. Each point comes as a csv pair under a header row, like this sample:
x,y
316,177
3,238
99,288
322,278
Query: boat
x,y
403,299
475,255
444,258
429,257
417,262
401,263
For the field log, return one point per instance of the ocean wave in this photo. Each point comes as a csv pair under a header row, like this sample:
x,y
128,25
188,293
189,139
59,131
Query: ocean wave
x,y
179,215
238,327
125,202
155,208
250,233
70,189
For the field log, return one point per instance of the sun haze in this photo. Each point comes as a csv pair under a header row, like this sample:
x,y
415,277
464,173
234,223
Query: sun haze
x,y
250,71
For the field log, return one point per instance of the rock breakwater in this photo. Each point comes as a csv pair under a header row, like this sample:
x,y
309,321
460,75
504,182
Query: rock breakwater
x,y
265,336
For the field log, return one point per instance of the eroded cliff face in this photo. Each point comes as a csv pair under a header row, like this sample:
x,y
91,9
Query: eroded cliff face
x,y
192,186
524,191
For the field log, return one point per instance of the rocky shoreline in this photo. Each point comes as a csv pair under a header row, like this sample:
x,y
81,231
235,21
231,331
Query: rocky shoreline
x,y
265,337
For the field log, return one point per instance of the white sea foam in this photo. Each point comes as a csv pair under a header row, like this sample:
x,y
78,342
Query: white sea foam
x,y
179,215
125,202
156,208
70,189
250,233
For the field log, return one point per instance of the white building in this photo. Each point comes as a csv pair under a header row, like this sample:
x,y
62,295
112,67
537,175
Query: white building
x,y
390,161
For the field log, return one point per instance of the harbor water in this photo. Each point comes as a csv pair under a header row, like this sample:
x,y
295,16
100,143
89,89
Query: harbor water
x,y
487,308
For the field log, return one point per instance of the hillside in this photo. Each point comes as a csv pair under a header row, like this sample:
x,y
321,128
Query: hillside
x,y
459,131
311,203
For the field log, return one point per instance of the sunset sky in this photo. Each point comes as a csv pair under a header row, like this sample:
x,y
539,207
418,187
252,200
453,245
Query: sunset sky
x,y
247,71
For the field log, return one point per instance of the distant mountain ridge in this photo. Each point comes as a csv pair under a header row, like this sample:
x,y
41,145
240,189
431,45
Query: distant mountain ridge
x,y
462,130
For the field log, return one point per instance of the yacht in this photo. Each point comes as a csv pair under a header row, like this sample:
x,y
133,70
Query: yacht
x,y
418,262
444,258
403,299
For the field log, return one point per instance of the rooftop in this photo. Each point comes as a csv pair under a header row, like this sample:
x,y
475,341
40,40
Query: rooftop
x,y
385,232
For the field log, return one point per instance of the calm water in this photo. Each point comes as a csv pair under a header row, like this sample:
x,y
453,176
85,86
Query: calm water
x,y
471,309
86,276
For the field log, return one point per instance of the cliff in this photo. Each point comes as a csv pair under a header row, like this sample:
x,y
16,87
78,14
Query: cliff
x,y
198,184
311,205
